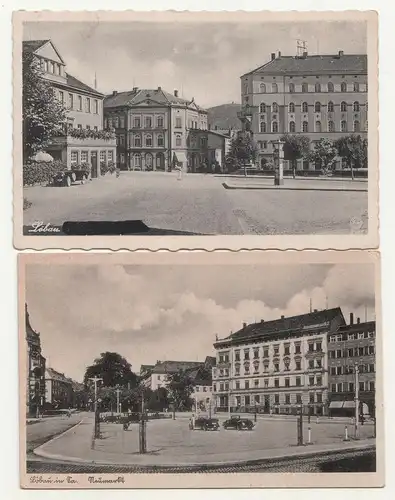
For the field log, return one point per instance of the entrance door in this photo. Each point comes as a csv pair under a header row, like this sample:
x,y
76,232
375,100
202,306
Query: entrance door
x,y
94,164
266,407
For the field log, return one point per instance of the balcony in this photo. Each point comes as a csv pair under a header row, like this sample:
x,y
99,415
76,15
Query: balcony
x,y
223,364
85,137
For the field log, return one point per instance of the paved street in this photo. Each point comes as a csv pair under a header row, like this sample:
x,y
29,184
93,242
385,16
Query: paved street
x,y
199,204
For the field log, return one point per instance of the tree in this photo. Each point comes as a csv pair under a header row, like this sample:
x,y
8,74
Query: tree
x,y
354,150
43,115
324,153
243,150
113,369
295,147
180,388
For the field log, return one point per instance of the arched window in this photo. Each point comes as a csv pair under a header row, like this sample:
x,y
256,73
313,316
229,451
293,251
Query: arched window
x,y
318,126
343,87
291,107
262,88
262,107
274,127
343,126
275,107
159,122
148,141
317,107
137,141
331,88
331,126
357,126
318,87
305,126
356,106
291,88
305,87
274,88
356,87
137,160
305,107
262,127
331,107
343,106
292,127
161,141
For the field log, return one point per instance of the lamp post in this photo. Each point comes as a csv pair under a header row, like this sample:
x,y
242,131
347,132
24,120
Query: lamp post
x,y
278,158
95,380
118,391
356,371
142,428
300,425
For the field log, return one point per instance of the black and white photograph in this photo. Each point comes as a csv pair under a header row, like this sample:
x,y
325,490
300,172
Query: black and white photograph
x,y
237,367
241,129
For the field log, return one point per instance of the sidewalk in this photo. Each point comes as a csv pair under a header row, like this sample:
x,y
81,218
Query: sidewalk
x,y
297,184
121,448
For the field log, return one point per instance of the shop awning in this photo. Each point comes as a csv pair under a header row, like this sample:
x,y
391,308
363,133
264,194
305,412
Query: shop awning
x,y
180,156
336,404
349,404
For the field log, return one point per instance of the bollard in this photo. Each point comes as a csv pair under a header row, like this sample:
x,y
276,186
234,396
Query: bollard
x,y
309,435
346,433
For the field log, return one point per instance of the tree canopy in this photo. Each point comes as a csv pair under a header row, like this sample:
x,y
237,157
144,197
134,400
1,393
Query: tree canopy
x,y
113,369
295,147
324,153
180,388
243,149
354,150
43,115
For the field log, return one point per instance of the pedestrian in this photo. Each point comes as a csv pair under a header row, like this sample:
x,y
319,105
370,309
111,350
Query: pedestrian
x,y
69,413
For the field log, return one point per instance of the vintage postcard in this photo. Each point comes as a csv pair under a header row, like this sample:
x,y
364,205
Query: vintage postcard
x,y
149,370
203,130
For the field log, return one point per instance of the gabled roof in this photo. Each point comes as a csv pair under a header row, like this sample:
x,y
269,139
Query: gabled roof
x,y
346,63
33,45
72,81
292,323
175,366
52,374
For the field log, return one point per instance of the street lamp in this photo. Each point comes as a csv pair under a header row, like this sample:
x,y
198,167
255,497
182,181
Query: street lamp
x,y
278,159
95,380
300,425
356,424
142,428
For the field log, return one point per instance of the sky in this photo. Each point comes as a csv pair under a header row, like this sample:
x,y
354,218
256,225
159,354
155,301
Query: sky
x,y
150,313
201,60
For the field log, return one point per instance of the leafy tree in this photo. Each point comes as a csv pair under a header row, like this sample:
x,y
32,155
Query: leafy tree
x,y
295,147
324,153
180,388
43,115
113,369
354,150
243,149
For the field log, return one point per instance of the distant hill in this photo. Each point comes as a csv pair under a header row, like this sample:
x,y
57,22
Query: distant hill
x,y
224,116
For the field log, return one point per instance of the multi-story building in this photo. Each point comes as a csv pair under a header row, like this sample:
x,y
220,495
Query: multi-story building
x,y
59,390
35,371
276,366
158,375
313,95
155,129
352,348
83,140
214,146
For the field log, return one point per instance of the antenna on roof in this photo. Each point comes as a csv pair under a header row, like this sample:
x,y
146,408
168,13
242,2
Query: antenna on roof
x,y
366,313
301,47
311,304
95,81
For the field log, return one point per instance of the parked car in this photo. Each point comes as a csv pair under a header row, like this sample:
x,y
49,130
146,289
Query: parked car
x,y
67,177
205,424
238,423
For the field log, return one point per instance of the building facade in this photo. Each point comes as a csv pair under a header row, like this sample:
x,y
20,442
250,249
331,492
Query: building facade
x,y
352,348
313,95
59,390
155,129
83,140
35,371
276,366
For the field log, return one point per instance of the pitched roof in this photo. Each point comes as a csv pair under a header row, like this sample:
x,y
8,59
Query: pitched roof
x,y
292,323
175,366
358,327
55,375
210,361
33,45
138,96
75,83
345,63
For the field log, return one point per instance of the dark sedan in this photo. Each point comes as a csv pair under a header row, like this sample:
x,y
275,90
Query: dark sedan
x,y
205,424
238,423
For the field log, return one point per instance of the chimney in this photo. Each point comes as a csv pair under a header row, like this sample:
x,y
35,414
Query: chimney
x,y
341,53
358,321
135,89
315,310
176,93
305,55
282,316
351,318
114,92
262,320
279,54
244,325
159,89
273,56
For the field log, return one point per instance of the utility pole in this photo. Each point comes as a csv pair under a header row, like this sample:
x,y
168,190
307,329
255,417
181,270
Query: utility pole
x,y
118,391
356,401
95,380
300,426
142,428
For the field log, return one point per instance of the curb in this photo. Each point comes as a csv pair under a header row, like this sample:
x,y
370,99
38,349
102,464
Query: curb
x,y
38,451
282,188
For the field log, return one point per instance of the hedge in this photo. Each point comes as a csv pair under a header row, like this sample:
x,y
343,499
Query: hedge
x,y
39,172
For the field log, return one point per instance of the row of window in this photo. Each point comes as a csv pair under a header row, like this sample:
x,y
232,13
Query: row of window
x,y
148,141
263,88
287,399
350,386
356,106
352,352
205,389
352,336
83,156
312,364
136,160
286,351
91,105
88,127
263,129
350,369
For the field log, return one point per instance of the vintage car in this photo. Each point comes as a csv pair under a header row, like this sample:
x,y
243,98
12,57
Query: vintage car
x,y
238,423
205,424
67,177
